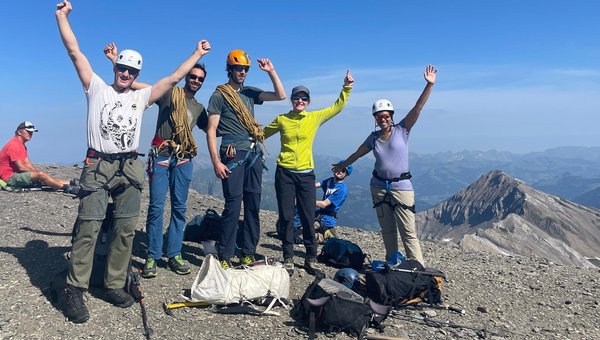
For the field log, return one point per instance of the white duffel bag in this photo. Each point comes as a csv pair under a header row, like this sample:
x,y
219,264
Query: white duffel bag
x,y
216,285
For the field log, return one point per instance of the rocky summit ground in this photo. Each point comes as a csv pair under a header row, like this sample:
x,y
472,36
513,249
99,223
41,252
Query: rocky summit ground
x,y
503,297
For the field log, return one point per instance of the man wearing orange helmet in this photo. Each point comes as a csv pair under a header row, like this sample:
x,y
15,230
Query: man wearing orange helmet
x,y
238,162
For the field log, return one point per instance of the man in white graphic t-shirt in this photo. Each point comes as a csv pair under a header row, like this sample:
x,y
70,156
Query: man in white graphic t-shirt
x,y
111,166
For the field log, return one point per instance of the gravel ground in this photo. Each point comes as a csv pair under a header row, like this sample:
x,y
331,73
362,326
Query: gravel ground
x,y
503,297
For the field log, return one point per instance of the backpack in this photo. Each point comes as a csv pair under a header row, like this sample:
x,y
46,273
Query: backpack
x,y
328,305
203,228
342,254
215,285
406,284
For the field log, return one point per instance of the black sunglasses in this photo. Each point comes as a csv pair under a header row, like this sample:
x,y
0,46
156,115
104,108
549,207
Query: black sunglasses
x,y
131,70
304,98
240,68
194,77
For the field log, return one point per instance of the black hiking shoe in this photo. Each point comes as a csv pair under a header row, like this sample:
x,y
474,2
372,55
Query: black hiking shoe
x,y
75,309
312,267
118,297
71,189
288,264
178,265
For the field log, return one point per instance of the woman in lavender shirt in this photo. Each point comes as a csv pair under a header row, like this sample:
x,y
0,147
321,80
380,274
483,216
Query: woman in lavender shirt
x,y
391,189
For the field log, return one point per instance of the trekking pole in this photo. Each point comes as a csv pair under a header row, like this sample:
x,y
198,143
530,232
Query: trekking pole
x,y
424,272
139,297
147,329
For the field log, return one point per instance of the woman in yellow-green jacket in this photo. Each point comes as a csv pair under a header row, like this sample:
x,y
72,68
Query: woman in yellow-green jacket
x,y
294,177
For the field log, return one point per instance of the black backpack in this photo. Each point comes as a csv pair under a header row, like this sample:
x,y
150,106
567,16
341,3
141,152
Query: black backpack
x,y
329,306
406,284
342,254
203,228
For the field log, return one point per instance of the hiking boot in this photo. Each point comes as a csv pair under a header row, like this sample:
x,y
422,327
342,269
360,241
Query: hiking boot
x,y
248,259
71,189
312,267
75,309
226,264
74,182
288,264
149,270
178,265
118,297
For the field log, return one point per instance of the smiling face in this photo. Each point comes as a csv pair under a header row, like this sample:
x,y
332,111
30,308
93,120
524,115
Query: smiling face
x,y
194,80
124,77
300,101
384,119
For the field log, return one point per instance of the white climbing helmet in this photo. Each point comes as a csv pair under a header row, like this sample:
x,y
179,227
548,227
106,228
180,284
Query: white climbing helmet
x,y
382,105
130,58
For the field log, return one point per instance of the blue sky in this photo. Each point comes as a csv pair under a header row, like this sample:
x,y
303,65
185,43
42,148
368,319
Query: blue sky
x,y
513,75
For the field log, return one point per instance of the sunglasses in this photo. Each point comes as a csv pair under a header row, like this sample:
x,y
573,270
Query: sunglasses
x,y
240,68
132,71
304,98
194,77
382,117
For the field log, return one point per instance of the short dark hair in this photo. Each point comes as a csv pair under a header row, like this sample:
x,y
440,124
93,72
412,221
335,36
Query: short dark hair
x,y
200,66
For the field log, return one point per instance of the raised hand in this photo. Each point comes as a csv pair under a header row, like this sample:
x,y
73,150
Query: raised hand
x,y
429,74
265,64
348,80
63,8
111,52
203,47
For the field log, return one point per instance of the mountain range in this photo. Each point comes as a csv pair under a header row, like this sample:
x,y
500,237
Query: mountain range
x,y
568,172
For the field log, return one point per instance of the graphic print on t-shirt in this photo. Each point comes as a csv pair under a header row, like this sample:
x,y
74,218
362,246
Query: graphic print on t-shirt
x,y
117,127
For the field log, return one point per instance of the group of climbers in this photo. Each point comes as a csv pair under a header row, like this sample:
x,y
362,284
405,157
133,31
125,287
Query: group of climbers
x,y
112,170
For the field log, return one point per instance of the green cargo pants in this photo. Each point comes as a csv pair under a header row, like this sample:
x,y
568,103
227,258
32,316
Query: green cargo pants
x,y
99,180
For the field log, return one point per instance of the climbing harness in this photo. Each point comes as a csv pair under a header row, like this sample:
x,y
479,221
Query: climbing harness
x,y
254,152
386,198
111,158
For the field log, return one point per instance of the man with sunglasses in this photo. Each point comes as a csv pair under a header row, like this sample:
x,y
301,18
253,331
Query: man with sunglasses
x,y
238,162
391,188
17,171
170,166
111,168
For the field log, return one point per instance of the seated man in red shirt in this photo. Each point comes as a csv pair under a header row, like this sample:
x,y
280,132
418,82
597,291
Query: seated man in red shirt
x,y
16,169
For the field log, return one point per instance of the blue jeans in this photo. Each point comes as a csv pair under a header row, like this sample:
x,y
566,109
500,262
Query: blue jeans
x,y
177,178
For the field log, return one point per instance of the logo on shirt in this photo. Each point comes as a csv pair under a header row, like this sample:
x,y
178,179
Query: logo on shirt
x,y
116,126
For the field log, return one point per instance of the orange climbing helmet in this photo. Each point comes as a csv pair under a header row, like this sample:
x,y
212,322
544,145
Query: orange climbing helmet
x,y
238,57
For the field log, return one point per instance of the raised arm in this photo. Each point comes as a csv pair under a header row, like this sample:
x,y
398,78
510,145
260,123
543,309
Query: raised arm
x,y
81,63
413,114
361,151
279,94
331,111
111,52
162,86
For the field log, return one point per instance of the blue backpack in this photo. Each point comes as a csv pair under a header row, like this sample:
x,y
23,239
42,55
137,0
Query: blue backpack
x,y
342,254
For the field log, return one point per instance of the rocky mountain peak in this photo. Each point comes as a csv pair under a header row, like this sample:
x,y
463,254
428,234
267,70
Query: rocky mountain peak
x,y
494,211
